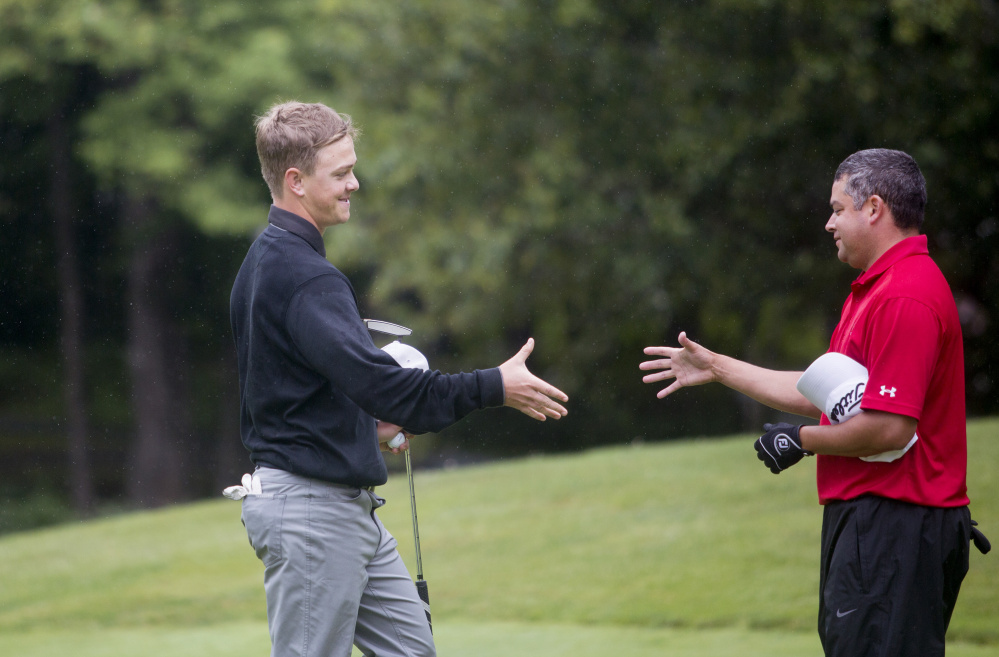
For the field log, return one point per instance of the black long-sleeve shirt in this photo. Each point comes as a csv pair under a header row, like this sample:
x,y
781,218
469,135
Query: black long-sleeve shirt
x,y
312,381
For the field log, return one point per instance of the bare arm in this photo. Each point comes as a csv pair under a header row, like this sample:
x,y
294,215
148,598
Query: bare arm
x,y
690,364
865,434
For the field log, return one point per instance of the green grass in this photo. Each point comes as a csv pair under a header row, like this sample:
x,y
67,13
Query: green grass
x,y
685,549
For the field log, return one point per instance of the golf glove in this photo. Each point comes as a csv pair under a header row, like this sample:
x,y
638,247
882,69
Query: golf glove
x,y
250,486
780,447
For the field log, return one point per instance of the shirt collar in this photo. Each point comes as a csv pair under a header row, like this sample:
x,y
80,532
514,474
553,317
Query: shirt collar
x,y
295,224
915,245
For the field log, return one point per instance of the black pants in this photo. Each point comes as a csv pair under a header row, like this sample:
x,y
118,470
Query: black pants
x,y
890,576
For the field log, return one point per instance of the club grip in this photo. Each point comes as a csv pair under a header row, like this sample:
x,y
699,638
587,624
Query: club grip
x,y
424,593
977,537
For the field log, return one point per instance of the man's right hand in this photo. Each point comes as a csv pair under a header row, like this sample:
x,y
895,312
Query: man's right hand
x,y
527,393
690,364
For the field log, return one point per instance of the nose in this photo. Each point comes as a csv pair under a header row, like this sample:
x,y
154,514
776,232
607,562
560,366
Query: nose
x,y
831,223
352,184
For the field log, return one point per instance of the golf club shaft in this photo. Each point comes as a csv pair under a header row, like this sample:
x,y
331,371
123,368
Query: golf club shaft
x,y
421,585
416,525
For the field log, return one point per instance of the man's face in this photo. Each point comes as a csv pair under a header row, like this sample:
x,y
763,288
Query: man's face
x,y
328,188
849,227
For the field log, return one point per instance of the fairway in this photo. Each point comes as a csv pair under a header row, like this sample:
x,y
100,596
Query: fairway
x,y
681,549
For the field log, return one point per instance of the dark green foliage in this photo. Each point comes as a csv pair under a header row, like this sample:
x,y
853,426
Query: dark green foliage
x,y
598,175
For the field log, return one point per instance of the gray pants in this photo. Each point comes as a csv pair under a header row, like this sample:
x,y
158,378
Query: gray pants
x,y
332,574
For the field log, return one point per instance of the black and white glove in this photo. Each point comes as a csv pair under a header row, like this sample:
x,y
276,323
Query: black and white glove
x,y
780,447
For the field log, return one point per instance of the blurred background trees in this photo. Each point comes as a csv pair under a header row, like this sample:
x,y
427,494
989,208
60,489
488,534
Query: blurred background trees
x,y
599,175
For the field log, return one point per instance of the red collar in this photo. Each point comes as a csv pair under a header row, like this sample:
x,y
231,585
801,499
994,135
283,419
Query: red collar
x,y
910,246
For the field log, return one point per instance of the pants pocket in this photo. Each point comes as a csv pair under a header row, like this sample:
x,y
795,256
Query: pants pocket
x,y
858,629
263,516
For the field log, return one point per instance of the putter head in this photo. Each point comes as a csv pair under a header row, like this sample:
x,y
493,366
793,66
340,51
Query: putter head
x,y
388,328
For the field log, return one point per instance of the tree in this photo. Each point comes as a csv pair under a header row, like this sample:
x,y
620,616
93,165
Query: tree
x,y
597,174
603,174
176,80
72,309
28,73
167,138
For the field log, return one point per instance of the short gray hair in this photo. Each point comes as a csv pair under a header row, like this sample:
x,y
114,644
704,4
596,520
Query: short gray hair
x,y
892,175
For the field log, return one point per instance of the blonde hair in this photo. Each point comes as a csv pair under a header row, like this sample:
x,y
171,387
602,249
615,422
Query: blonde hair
x,y
290,135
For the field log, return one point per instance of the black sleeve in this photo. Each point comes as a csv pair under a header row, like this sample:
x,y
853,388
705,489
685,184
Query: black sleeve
x,y
326,327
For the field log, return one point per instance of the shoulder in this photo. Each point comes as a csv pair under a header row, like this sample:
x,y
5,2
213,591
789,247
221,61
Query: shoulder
x,y
288,257
919,278
280,266
916,287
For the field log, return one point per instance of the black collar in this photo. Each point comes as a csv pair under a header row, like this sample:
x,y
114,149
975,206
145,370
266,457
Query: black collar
x,y
295,224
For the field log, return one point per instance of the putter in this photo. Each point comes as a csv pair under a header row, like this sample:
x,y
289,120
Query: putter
x,y
407,356
421,584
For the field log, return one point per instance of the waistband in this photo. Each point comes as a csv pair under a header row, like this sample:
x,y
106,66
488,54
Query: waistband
x,y
276,475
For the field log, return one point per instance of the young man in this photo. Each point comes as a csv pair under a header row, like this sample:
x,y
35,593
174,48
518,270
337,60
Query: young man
x,y
895,534
312,384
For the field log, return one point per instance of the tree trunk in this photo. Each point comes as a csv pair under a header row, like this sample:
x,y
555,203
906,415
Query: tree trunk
x,y
156,358
71,309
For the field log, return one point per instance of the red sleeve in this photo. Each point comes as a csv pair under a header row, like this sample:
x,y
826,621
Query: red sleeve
x,y
902,344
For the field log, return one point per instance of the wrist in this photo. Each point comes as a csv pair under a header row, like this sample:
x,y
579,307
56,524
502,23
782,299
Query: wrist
x,y
805,438
717,367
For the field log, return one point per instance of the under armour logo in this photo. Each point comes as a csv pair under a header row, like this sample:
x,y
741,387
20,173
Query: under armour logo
x,y
885,390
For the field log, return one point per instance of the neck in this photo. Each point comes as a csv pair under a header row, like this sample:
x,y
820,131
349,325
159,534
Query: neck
x,y
290,203
886,244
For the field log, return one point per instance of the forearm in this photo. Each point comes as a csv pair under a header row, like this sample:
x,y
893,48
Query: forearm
x,y
866,434
325,327
773,388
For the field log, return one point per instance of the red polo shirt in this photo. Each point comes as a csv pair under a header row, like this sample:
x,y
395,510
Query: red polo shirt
x,y
901,322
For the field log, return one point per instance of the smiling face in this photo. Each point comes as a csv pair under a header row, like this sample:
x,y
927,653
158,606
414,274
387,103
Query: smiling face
x,y
325,193
850,227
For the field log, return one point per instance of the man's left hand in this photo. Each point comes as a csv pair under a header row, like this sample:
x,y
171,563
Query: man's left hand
x,y
780,447
386,432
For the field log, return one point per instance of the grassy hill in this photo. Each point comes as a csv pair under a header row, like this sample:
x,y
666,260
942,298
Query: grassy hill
x,y
689,548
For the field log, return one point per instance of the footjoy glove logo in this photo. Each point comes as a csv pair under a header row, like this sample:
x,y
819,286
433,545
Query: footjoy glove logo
x,y
783,442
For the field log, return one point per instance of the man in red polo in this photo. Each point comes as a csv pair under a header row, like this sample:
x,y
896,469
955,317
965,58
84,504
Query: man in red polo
x,y
896,528
900,321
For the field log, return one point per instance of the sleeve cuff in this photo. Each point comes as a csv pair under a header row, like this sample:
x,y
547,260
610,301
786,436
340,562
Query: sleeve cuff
x,y
491,387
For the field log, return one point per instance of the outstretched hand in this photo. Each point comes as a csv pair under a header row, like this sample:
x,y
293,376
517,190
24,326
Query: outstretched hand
x,y
690,364
527,393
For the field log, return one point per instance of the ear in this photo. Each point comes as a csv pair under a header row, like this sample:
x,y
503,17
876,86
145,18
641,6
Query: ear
x,y
293,182
878,210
